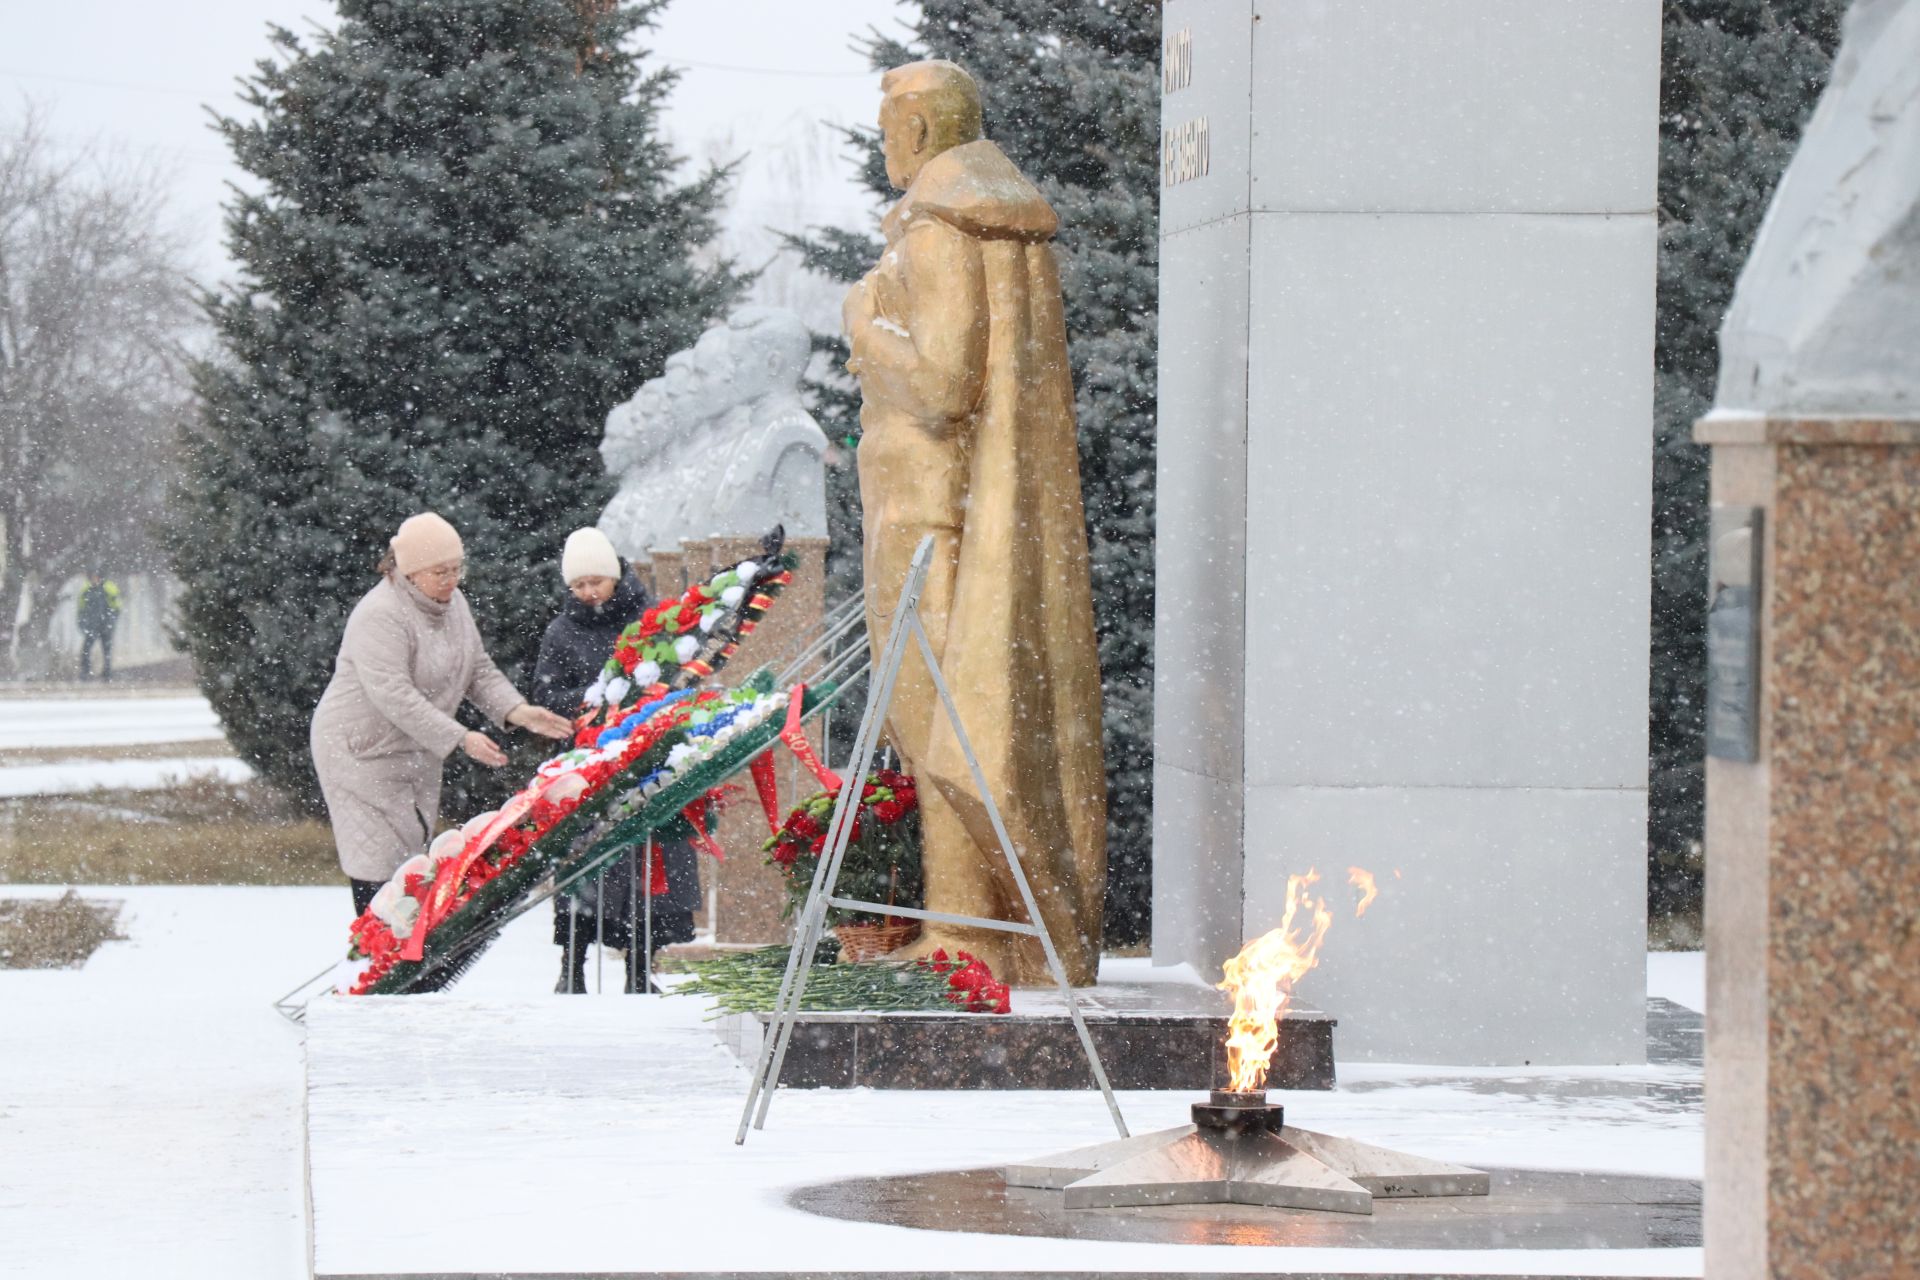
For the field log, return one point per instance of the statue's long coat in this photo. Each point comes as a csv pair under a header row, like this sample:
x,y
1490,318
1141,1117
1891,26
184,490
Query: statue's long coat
x,y
968,433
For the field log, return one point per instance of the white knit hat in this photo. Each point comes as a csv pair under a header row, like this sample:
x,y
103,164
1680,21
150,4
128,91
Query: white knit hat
x,y
589,555
423,541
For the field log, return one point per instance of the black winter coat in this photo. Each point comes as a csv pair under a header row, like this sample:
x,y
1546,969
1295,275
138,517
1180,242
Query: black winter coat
x,y
579,642
572,652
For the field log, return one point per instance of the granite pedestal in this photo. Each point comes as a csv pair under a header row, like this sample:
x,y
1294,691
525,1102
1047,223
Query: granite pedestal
x,y
1150,1036
1814,982
1813,707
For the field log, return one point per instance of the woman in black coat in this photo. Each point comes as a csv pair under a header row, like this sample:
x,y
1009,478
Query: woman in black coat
x,y
603,597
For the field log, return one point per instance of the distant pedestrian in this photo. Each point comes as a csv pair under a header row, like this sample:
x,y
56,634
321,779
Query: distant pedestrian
x,y
603,596
410,655
99,611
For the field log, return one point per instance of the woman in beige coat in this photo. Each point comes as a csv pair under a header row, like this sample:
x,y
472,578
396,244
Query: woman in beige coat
x,y
411,654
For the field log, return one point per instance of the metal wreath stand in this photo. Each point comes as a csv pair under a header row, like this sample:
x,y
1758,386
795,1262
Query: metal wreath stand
x,y
820,896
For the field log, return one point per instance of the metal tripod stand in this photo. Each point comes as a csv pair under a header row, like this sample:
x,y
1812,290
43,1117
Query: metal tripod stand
x,y
821,895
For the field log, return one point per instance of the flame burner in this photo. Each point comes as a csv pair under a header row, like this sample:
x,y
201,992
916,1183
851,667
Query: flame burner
x,y
1240,1150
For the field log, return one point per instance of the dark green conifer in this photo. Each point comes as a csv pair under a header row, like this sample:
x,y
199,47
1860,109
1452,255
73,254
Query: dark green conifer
x,y
467,243
1739,79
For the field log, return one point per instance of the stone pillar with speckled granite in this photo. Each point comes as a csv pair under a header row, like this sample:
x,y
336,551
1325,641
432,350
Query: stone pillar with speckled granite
x,y
1813,772
750,895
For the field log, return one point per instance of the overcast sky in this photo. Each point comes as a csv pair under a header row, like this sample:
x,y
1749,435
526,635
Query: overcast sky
x,y
758,75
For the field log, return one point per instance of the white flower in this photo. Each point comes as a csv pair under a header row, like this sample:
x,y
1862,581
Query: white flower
x,y
418,865
346,974
684,648
748,570
681,754
709,618
568,786
617,689
596,694
393,907
732,597
646,673
446,845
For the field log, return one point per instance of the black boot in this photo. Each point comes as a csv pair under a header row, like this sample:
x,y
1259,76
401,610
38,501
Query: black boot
x,y
573,965
640,973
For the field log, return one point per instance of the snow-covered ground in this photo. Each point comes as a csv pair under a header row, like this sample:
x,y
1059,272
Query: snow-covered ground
x,y
58,723
75,776
51,744
1679,976
150,1124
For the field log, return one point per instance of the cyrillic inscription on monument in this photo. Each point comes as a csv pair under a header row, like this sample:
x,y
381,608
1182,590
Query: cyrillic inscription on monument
x,y
1176,61
1185,153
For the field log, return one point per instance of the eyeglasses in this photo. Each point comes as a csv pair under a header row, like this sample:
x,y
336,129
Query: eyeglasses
x,y
445,574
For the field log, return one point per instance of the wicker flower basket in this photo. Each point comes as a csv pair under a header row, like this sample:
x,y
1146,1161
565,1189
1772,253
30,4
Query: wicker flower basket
x,y
860,942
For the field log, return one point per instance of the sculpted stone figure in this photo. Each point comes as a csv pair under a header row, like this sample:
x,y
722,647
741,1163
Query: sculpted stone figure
x,y
719,443
967,433
771,453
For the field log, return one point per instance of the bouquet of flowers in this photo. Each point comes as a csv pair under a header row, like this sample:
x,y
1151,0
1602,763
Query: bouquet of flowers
x,y
883,852
749,982
687,638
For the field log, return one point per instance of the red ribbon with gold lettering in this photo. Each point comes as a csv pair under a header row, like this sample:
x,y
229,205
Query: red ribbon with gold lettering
x,y
796,739
696,816
767,784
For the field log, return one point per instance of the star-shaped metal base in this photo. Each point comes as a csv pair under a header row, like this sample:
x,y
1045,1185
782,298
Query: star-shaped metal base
x,y
1241,1154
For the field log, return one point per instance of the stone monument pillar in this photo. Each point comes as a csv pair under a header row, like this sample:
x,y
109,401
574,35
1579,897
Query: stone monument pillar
x,y
1813,772
711,455
1406,365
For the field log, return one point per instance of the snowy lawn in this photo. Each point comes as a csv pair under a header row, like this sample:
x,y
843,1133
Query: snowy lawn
x,y
54,746
150,1124
59,723
79,776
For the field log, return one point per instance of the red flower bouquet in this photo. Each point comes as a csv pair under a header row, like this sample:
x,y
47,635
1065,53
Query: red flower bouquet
x,y
883,852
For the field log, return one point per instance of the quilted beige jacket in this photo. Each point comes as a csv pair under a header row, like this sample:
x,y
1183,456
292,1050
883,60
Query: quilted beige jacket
x,y
386,720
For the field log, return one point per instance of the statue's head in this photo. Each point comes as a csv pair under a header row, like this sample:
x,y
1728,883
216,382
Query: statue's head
x,y
676,381
712,374
928,107
771,348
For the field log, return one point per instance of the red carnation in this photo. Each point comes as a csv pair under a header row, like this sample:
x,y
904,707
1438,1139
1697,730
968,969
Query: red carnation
x,y
889,811
972,978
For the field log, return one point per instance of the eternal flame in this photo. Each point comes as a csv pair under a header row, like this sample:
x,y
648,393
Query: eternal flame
x,y
967,433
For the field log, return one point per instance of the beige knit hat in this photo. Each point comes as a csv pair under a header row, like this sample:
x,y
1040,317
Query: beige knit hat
x,y
424,541
589,554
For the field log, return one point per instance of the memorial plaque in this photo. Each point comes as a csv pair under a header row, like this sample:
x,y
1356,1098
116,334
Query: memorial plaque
x,y
1733,635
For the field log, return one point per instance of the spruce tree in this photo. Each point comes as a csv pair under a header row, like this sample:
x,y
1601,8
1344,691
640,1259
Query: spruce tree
x,y
1739,79
468,243
1071,93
